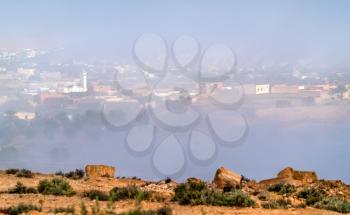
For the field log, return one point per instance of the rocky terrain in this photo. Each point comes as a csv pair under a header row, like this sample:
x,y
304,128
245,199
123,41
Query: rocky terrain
x,y
95,190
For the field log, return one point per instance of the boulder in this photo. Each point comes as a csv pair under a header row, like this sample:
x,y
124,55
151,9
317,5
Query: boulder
x,y
291,176
268,182
226,178
286,173
94,171
303,176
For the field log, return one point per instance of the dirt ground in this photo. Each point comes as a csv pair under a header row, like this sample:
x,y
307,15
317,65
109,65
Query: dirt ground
x,y
50,202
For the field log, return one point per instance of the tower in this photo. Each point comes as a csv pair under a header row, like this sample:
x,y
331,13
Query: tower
x,y
83,81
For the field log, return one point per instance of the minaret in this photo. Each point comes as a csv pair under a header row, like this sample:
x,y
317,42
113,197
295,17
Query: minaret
x,y
83,80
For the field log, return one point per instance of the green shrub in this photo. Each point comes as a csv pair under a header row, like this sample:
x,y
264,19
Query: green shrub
x,y
287,189
135,178
282,188
164,211
284,203
168,180
199,194
83,210
275,204
20,209
275,188
20,172
333,204
21,189
161,211
270,205
96,195
59,173
24,173
236,198
245,179
311,195
11,171
195,184
56,187
95,209
301,205
228,188
77,174
262,196
67,210
129,192
119,193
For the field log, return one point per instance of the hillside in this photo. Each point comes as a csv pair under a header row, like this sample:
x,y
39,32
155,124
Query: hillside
x,y
291,192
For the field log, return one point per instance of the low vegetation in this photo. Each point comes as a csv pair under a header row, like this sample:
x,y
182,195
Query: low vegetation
x,y
197,193
24,173
83,209
333,204
263,196
65,210
96,195
275,204
167,180
316,197
95,209
282,189
119,193
11,171
311,195
161,211
20,209
129,192
21,189
321,195
77,174
56,186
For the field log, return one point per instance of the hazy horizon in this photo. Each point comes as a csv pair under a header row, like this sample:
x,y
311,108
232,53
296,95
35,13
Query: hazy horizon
x,y
300,47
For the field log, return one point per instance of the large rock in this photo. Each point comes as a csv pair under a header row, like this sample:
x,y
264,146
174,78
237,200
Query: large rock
x,y
304,176
291,176
226,178
94,171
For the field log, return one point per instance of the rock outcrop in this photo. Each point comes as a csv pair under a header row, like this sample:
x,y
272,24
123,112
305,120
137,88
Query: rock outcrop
x,y
304,176
93,171
226,178
291,176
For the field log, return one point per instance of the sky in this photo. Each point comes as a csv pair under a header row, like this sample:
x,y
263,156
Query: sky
x,y
311,31
281,30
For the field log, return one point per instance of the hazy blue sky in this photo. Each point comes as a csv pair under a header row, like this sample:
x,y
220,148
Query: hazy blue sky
x,y
297,29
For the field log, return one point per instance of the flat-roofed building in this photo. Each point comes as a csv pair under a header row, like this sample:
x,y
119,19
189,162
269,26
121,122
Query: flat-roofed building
x,y
284,89
25,115
262,89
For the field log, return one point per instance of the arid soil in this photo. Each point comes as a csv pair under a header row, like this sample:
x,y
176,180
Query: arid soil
x,y
165,190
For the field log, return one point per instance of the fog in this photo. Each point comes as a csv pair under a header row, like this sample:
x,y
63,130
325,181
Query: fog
x,y
192,110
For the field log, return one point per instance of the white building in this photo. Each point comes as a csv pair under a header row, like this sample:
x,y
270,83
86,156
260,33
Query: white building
x,y
82,88
25,115
262,89
25,72
83,81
